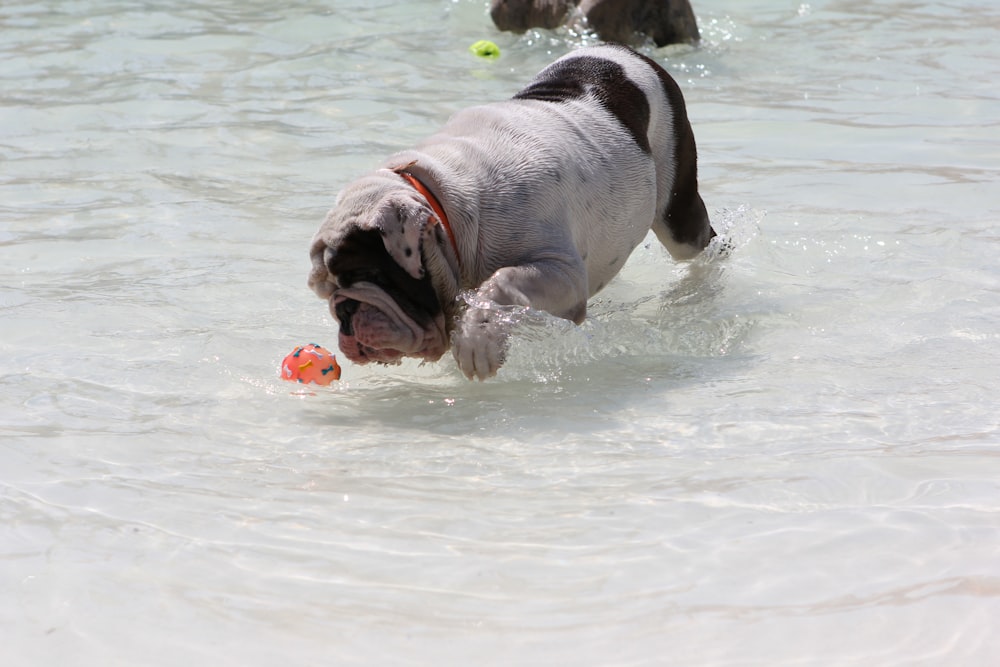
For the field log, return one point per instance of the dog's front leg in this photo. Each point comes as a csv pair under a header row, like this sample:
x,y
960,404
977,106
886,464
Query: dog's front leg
x,y
558,287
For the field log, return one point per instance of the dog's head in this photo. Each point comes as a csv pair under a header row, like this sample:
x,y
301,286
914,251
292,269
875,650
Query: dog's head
x,y
379,260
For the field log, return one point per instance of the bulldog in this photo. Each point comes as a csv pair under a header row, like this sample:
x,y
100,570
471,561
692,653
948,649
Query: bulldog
x,y
536,201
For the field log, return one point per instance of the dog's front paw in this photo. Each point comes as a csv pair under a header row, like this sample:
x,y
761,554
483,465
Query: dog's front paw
x,y
479,342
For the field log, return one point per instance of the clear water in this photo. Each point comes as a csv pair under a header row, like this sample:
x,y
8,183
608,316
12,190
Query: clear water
x,y
787,456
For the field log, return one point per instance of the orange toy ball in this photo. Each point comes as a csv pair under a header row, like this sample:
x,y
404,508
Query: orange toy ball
x,y
310,363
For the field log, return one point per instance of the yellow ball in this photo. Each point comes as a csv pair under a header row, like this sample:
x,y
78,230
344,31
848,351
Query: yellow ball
x,y
485,49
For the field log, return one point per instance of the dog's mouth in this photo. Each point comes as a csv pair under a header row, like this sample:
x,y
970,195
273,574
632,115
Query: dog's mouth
x,y
375,328
360,353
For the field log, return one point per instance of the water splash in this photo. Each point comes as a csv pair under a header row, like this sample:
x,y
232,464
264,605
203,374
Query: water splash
x,y
641,322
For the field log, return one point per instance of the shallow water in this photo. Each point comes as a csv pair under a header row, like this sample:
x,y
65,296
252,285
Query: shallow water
x,y
787,455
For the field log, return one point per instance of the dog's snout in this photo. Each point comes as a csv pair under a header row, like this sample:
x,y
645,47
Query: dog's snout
x,y
344,311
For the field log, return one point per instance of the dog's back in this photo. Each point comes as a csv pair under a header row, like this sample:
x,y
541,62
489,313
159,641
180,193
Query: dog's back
x,y
649,105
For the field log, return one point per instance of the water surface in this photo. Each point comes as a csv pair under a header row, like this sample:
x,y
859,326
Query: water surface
x,y
785,456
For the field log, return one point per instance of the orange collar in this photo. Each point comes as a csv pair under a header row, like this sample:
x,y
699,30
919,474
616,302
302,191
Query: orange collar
x,y
436,206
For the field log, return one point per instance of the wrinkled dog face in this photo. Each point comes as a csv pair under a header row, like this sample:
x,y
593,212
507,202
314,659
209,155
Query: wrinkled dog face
x,y
368,262
384,313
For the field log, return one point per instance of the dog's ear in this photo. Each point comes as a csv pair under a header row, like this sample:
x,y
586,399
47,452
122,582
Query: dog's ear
x,y
404,224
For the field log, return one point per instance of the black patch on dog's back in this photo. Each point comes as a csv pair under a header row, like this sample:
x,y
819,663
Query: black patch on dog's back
x,y
574,78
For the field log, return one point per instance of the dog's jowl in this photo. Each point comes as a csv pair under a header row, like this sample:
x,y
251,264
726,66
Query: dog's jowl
x,y
535,201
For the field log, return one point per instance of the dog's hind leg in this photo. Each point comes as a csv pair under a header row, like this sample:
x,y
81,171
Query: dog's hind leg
x,y
684,228
682,224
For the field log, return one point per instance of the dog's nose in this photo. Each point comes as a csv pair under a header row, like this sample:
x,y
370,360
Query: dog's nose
x,y
344,311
